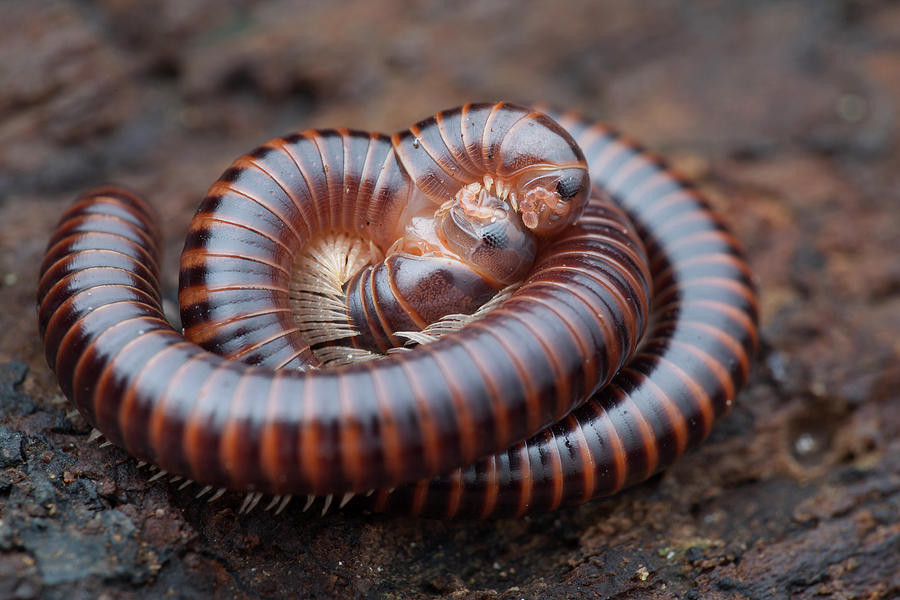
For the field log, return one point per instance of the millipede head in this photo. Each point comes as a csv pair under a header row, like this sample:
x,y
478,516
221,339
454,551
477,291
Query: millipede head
x,y
491,239
550,199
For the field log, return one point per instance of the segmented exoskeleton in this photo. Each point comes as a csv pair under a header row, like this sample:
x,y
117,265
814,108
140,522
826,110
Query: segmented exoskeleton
x,y
430,197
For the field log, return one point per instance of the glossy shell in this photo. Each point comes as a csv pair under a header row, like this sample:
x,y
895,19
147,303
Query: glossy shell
x,y
514,373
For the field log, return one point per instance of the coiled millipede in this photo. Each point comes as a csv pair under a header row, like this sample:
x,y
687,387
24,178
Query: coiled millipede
x,y
367,247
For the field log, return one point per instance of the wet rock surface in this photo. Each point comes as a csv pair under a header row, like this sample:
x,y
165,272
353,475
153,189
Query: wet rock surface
x,y
784,113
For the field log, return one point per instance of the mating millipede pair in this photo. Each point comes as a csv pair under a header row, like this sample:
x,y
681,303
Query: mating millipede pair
x,y
559,358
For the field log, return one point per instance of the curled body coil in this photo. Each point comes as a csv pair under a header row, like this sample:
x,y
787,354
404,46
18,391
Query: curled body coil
x,y
517,371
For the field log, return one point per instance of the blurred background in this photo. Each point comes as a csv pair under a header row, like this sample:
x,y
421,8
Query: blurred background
x,y
784,113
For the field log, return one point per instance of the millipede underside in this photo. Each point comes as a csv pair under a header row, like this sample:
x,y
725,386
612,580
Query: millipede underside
x,y
319,302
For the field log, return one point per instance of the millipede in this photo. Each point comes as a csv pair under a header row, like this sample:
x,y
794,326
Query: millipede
x,y
498,311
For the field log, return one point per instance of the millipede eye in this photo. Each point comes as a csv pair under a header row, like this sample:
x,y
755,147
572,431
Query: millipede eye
x,y
495,237
568,186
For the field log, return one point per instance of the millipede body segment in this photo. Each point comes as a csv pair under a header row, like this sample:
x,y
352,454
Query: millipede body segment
x,y
572,226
